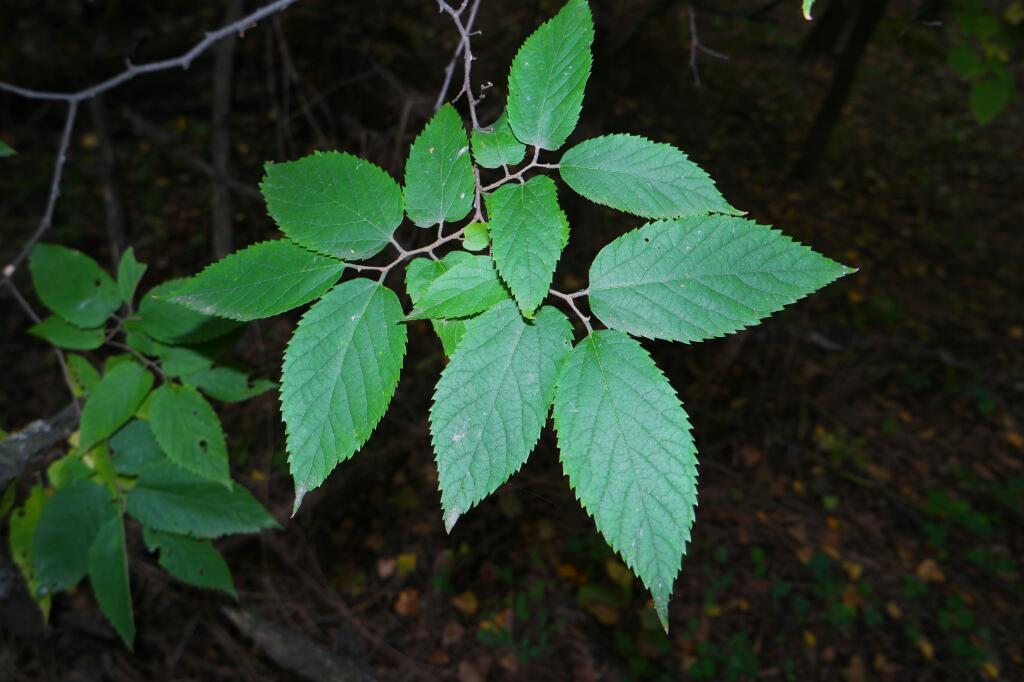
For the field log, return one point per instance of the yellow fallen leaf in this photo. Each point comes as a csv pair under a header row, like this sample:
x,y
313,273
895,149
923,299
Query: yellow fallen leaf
x,y
406,563
853,569
927,650
809,639
929,571
619,574
1015,439
990,670
408,603
894,610
605,613
466,603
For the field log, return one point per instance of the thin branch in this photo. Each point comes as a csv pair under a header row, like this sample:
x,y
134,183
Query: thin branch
x,y
696,47
51,201
58,353
571,300
134,70
75,98
518,175
465,30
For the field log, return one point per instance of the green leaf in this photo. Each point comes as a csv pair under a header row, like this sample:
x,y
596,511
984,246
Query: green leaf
x,y
548,76
108,574
498,146
469,286
528,230
173,323
990,95
702,277
492,401
476,237
340,371
168,498
807,4
188,430
84,376
178,361
72,285
334,203
227,384
626,447
67,470
191,561
65,335
6,150
129,274
112,403
134,447
439,185
260,281
419,274
69,522
965,61
645,178
23,523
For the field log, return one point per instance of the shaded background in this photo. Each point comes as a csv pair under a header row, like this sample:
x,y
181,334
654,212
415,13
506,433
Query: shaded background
x,y
860,452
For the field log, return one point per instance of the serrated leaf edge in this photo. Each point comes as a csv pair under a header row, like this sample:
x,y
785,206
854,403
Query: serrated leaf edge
x,y
662,610
845,270
734,212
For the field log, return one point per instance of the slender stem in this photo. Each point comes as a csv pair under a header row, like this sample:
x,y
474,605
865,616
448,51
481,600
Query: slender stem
x,y
465,30
183,61
571,300
518,175
142,358
58,353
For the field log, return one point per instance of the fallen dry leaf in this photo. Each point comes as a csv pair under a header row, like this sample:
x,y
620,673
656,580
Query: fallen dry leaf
x,y
408,603
466,603
929,571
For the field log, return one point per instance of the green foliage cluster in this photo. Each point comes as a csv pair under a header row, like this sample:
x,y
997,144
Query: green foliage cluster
x,y
983,57
149,445
699,271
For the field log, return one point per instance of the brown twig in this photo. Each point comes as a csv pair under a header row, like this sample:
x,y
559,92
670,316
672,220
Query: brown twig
x,y
465,30
696,47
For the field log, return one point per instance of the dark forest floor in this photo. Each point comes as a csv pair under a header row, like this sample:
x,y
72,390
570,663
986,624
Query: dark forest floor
x,y
861,452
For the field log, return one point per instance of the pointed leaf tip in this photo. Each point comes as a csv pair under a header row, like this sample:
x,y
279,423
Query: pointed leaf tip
x,y
451,518
300,494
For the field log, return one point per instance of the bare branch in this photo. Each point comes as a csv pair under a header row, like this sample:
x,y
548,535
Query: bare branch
x,y
465,30
571,300
696,48
75,98
134,70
